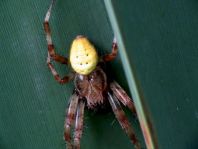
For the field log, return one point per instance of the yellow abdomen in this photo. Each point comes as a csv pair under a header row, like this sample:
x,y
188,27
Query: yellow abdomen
x,y
83,56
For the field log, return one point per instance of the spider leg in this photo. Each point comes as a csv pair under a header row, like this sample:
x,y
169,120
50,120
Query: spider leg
x,y
51,49
122,96
69,121
57,77
113,54
79,125
121,117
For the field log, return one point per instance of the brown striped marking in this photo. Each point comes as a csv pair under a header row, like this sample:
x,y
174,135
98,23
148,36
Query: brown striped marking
x,y
122,96
122,119
79,125
69,120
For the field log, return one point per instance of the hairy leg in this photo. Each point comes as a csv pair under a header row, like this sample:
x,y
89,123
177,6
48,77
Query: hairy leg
x,y
51,49
69,121
122,96
79,125
113,54
121,117
57,77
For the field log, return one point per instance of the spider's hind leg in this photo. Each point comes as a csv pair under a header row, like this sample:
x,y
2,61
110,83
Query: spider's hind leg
x,y
51,49
121,117
111,56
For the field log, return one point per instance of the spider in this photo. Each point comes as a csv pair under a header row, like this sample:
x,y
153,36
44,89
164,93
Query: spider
x,y
92,86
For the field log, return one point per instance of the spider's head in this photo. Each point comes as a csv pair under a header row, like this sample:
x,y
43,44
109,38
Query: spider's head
x,y
83,56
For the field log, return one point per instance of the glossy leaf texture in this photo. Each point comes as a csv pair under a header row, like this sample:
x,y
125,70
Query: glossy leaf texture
x,y
160,54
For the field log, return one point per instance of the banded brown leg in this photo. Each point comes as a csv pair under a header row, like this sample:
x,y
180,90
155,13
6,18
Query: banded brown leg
x,y
79,125
51,50
69,121
122,96
121,117
57,77
113,54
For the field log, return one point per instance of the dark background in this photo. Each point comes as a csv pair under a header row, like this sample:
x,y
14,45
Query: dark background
x,y
160,38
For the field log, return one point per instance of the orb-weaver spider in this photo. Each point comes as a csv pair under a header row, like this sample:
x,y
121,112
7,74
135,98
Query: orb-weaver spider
x,y
92,87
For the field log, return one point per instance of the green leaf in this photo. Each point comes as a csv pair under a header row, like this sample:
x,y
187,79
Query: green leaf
x,y
159,47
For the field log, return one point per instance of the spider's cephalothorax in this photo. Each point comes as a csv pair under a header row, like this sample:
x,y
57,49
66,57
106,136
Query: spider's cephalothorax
x,y
92,86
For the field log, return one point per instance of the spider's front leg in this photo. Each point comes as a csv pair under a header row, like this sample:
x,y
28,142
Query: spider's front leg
x,y
121,117
79,125
69,121
51,50
122,96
